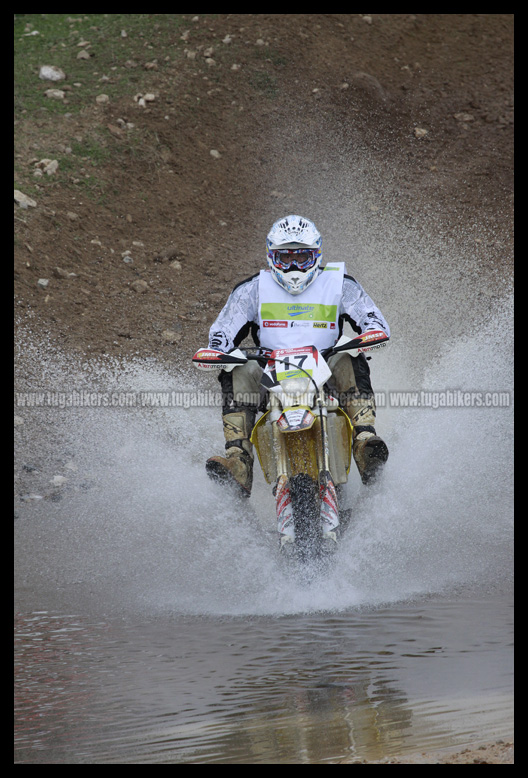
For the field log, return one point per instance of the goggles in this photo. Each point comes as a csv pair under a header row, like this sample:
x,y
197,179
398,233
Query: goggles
x,y
302,259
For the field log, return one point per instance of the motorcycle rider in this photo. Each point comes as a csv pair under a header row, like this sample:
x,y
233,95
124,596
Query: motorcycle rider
x,y
295,302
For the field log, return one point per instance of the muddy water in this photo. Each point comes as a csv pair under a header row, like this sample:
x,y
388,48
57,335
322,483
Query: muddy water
x,y
298,689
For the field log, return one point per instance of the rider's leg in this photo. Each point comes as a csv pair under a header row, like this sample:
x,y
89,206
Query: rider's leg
x,y
240,393
351,382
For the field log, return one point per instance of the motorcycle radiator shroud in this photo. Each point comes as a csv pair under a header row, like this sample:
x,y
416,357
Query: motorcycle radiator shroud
x,y
304,448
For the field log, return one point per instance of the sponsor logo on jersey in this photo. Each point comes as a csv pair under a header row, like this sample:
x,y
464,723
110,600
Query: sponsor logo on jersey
x,y
299,310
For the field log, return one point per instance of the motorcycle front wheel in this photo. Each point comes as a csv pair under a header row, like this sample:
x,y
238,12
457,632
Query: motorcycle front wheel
x,y
304,495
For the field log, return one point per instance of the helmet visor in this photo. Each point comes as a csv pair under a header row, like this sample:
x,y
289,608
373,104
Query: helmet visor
x,y
290,259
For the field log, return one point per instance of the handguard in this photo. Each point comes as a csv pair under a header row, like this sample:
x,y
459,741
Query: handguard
x,y
212,359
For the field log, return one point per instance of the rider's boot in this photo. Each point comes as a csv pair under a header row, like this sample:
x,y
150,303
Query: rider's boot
x,y
370,452
236,468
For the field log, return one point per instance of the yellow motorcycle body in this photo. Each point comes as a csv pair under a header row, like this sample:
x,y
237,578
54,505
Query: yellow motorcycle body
x,y
300,447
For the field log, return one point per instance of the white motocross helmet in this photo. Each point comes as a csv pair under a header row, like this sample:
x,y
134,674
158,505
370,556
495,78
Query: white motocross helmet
x,y
294,253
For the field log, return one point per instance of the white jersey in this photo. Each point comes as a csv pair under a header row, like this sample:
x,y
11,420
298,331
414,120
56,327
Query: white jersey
x,y
276,319
310,318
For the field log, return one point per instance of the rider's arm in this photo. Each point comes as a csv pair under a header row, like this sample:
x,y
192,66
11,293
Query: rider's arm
x,y
359,309
235,318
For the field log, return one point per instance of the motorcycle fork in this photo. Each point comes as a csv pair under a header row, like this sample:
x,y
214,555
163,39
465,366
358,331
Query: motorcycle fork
x,y
327,492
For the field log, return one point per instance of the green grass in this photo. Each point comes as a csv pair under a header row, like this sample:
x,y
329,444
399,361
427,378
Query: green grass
x,y
91,149
265,83
149,37
121,60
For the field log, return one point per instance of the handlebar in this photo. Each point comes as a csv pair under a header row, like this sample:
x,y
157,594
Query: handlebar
x,y
365,342
210,358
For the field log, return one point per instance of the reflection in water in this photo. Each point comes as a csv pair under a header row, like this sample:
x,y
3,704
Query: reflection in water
x,y
286,690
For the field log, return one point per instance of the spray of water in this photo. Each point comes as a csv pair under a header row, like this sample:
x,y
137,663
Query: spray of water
x,y
136,524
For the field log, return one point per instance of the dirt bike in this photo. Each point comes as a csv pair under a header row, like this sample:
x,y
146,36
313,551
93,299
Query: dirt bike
x,y
303,439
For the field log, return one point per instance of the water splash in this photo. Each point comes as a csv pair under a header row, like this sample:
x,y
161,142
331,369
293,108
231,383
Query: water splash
x,y
137,525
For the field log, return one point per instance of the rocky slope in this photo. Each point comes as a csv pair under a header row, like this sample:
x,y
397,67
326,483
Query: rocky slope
x,y
176,155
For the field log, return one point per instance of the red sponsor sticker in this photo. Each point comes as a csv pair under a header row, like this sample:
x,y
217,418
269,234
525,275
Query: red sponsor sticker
x,y
280,352
208,354
372,335
275,323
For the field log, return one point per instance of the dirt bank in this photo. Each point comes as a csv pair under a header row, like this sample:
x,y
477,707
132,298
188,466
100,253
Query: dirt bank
x,y
248,116
501,752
